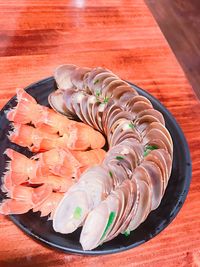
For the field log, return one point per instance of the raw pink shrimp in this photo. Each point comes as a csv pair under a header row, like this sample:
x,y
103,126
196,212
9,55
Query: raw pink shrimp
x,y
49,205
76,135
23,198
28,111
89,158
37,139
57,167
54,167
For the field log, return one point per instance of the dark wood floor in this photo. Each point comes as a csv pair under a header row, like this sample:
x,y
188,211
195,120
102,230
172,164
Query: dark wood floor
x,y
179,20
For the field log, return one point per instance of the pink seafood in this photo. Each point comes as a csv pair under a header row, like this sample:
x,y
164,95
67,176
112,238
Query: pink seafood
x,y
51,127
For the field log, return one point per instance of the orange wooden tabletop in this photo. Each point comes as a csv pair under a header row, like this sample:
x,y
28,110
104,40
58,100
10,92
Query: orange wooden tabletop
x,y
35,37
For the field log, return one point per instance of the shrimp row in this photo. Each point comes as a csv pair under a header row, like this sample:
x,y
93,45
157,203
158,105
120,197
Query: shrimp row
x,y
64,150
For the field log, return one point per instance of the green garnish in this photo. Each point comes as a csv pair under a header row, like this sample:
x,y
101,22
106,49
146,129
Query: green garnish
x,y
131,125
127,232
110,173
148,149
96,81
97,93
119,157
106,99
77,213
109,223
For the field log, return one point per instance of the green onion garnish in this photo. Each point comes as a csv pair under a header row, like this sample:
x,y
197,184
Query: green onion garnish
x,y
106,99
131,125
109,223
97,93
119,157
127,232
96,81
77,213
148,149
110,173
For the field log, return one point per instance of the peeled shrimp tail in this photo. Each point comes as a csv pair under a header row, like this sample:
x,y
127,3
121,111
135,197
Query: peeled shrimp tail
x,y
23,198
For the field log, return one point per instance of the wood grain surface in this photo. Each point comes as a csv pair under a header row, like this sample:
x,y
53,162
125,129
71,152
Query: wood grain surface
x,y
179,20
35,37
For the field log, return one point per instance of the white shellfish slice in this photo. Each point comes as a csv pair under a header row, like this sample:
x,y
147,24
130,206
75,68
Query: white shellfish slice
x,y
76,100
77,77
137,98
56,101
153,112
99,173
85,110
116,172
125,97
167,158
156,180
152,133
158,143
90,106
116,119
91,234
163,129
121,202
91,81
98,80
110,86
99,115
143,122
71,212
108,114
122,129
130,203
161,163
144,206
139,106
67,97
63,74
120,90
94,111
128,135
113,203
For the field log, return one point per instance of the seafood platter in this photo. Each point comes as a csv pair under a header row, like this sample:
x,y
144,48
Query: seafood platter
x,y
90,163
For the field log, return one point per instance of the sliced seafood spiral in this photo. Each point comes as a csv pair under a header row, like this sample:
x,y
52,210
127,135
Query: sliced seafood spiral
x,y
118,194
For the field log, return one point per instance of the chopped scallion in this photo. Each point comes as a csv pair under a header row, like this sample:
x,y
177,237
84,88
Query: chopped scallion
x,y
127,232
77,213
131,125
106,99
148,149
96,81
109,223
119,157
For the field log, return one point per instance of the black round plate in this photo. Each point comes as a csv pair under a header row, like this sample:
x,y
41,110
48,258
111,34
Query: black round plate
x,y
177,189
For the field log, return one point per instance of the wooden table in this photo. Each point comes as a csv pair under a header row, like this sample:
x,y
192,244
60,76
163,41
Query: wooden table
x,y
35,37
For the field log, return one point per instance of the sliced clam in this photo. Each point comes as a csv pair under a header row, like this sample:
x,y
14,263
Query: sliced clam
x,y
144,206
157,182
77,77
63,74
56,101
153,112
90,234
152,133
143,122
71,212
